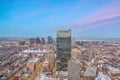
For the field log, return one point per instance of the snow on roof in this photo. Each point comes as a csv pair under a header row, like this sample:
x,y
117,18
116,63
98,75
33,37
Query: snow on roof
x,y
90,70
102,76
33,60
114,70
35,51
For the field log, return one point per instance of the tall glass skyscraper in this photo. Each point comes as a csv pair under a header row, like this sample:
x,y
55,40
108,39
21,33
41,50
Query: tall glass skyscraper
x,y
63,49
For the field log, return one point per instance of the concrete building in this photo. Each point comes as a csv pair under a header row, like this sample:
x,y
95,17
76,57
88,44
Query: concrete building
x,y
75,53
33,64
74,69
51,59
90,73
63,49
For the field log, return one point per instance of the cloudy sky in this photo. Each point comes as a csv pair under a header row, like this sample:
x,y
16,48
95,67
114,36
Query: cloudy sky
x,y
86,18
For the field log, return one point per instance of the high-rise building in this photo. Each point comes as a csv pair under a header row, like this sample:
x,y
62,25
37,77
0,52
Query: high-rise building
x,y
43,41
74,69
50,40
38,41
63,49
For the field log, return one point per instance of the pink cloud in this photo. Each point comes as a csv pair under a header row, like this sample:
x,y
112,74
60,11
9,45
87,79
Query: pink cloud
x,y
102,14
103,17
98,25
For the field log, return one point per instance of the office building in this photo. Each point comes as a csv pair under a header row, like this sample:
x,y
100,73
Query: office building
x,y
43,41
38,41
50,40
63,49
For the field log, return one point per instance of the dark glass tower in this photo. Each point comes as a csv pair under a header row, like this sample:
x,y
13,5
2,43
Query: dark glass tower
x,y
50,40
63,49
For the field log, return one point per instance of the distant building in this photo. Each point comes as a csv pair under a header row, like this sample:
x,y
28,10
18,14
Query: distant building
x,y
78,43
50,40
63,49
22,43
43,40
73,42
38,41
32,40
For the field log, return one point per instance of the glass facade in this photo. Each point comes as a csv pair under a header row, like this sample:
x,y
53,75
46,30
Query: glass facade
x,y
63,49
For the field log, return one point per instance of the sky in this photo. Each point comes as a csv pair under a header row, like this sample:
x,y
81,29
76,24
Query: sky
x,y
42,18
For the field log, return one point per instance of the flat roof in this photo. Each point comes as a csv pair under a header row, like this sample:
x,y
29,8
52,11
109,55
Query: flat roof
x,y
33,60
90,71
64,33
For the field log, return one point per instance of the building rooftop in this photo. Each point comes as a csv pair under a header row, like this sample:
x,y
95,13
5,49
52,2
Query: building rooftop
x,y
90,71
33,60
102,76
35,51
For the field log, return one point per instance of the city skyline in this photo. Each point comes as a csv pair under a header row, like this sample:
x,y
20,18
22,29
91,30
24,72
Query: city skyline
x,y
39,18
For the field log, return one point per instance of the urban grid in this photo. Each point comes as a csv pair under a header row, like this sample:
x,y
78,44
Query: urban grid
x,y
63,58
